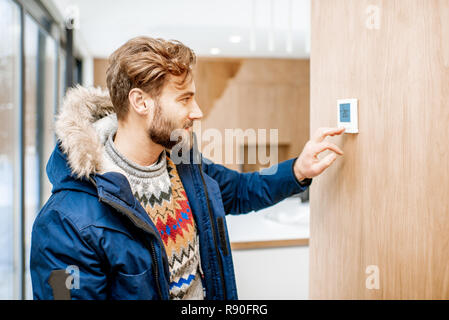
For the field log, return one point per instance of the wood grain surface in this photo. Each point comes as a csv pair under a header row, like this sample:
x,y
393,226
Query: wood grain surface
x,y
250,245
385,202
261,94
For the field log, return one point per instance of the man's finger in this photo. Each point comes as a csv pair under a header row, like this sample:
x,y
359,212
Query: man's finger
x,y
322,133
324,163
320,147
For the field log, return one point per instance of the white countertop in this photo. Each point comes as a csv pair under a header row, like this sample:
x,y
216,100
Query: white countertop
x,y
289,219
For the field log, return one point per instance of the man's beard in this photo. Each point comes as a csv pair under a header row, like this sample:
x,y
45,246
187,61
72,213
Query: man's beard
x,y
161,128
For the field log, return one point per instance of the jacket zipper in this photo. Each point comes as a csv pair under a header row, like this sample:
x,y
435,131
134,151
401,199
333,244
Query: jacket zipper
x,y
152,249
156,270
220,262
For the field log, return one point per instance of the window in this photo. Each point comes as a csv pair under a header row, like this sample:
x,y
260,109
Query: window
x,y
62,79
27,111
32,193
41,95
10,242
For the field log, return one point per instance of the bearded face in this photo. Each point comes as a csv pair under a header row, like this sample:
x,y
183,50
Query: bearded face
x,y
168,131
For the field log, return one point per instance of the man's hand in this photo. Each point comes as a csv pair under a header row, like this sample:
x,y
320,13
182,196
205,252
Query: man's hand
x,y
308,165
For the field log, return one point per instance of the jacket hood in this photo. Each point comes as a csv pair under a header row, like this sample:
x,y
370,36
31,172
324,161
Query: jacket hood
x,y
80,135
83,122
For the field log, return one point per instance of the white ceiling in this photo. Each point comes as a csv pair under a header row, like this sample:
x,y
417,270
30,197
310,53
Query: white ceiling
x,y
264,26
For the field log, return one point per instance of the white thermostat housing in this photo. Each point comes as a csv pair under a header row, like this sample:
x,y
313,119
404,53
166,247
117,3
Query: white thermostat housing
x,y
348,115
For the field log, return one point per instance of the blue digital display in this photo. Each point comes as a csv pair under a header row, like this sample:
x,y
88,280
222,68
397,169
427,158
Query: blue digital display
x,y
345,112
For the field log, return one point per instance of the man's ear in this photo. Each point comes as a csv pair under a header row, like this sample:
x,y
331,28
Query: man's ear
x,y
140,102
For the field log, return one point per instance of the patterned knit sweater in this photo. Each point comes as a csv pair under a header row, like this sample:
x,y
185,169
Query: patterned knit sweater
x,y
161,193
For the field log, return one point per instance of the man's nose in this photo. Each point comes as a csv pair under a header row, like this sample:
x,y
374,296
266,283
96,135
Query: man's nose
x,y
196,112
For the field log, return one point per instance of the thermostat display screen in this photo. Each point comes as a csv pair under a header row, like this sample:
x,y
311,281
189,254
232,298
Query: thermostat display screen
x,y
345,112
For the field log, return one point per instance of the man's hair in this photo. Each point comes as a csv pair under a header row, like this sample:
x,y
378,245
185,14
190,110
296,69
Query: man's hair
x,y
145,63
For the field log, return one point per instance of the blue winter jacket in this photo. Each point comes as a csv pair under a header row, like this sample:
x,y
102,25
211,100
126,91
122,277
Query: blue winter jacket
x,y
93,239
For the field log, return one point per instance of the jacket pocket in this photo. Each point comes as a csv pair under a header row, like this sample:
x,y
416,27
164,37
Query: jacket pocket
x,y
134,287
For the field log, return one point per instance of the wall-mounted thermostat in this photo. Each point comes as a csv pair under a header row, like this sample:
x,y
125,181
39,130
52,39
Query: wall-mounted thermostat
x,y
347,115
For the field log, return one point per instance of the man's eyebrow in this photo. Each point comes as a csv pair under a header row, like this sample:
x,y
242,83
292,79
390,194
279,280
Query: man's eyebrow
x,y
186,94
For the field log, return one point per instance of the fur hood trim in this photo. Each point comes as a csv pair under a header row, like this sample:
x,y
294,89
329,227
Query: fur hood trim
x,y
79,131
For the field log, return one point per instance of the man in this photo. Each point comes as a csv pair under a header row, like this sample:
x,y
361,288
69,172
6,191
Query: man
x,y
124,220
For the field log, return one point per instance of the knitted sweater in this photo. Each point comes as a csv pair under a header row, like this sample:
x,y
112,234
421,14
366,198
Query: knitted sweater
x,y
161,193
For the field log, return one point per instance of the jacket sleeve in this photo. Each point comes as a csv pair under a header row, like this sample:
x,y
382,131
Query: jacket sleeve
x,y
62,264
245,192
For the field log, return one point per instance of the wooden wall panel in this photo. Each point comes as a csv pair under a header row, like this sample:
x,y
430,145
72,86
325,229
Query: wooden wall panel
x,y
264,94
100,67
212,76
385,202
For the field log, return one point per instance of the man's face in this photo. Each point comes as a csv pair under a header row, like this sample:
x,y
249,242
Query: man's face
x,y
175,111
